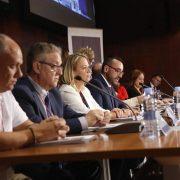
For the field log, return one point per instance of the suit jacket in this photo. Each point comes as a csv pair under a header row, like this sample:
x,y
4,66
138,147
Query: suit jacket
x,y
105,101
28,99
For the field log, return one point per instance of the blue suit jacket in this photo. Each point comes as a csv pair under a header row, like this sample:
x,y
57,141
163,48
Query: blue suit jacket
x,y
103,99
29,101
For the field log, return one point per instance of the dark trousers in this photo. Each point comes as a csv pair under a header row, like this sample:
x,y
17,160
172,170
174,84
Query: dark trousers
x,y
120,168
86,170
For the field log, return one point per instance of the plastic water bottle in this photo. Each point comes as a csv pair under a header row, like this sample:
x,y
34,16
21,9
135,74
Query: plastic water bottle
x,y
151,128
176,97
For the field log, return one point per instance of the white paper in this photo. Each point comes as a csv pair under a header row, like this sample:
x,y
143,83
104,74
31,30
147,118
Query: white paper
x,y
71,140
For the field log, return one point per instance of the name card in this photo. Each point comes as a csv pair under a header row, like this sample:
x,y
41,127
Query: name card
x,y
163,125
171,114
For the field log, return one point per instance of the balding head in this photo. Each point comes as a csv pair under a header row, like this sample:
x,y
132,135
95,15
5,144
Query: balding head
x,y
96,68
10,62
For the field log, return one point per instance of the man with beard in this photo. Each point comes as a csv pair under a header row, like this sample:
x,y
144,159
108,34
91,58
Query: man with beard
x,y
112,71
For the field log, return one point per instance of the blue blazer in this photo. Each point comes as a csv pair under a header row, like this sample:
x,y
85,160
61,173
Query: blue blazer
x,y
29,101
102,99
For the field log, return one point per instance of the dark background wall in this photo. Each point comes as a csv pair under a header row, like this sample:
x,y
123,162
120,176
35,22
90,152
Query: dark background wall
x,y
145,33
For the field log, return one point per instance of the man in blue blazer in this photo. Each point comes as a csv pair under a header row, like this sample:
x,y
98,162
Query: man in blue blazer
x,y
39,98
28,98
112,71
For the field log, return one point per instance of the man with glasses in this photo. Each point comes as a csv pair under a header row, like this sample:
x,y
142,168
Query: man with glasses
x,y
39,98
112,71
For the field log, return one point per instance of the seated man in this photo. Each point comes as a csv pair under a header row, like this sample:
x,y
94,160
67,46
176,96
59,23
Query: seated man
x,y
16,130
155,81
39,98
112,71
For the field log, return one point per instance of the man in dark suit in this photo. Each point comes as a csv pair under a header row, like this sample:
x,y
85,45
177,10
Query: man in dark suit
x,y
155,81
27,96
39,98
112,71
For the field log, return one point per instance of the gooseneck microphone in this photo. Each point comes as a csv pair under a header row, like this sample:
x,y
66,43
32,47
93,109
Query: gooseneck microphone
x,y
145,86
167,82
101,90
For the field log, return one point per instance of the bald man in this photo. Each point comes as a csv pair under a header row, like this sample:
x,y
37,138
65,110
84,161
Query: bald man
x,y
16,130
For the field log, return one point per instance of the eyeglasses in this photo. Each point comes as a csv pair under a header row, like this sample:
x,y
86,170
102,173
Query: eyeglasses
x,y
54,67
117,70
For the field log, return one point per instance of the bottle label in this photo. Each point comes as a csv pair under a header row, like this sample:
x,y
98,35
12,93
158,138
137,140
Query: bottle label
x,y
149,115
163,126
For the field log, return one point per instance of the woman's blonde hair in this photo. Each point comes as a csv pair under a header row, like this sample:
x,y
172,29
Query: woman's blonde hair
x,y
70,65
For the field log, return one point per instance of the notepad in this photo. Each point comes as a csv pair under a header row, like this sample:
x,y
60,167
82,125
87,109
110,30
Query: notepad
x,y
71,140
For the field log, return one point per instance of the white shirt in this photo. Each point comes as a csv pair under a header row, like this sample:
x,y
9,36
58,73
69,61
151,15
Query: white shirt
x,y
12,116
72,98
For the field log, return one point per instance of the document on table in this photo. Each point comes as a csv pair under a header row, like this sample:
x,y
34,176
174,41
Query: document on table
x,y
71,140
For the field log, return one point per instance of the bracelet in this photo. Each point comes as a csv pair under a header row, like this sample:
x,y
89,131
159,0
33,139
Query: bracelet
x,y
34,137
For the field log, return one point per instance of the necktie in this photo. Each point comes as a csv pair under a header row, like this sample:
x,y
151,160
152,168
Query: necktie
x,y
111,91
48,106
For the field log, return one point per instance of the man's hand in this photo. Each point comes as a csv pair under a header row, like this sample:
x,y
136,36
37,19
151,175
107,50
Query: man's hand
x,y
96,117
118,112
50,129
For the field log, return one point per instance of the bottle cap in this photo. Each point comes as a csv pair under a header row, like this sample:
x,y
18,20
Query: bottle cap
x,y
177,88
148,91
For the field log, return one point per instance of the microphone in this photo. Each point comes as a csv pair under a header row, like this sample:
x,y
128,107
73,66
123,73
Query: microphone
x,y
145,86
167,82
101,90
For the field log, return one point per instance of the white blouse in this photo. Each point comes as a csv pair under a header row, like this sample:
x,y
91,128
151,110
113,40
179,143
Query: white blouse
x,y
72,98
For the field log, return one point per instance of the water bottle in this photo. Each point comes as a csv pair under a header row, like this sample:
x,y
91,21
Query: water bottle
x,y
176,97
151,128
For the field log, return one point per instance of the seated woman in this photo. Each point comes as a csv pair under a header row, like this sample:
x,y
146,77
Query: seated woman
x,y
74,93
137,79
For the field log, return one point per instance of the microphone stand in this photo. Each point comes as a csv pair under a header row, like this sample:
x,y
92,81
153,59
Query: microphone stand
x,y
143,85
101,90
167,82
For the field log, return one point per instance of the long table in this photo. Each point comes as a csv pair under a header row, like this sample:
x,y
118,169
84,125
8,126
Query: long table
x,y
117,146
